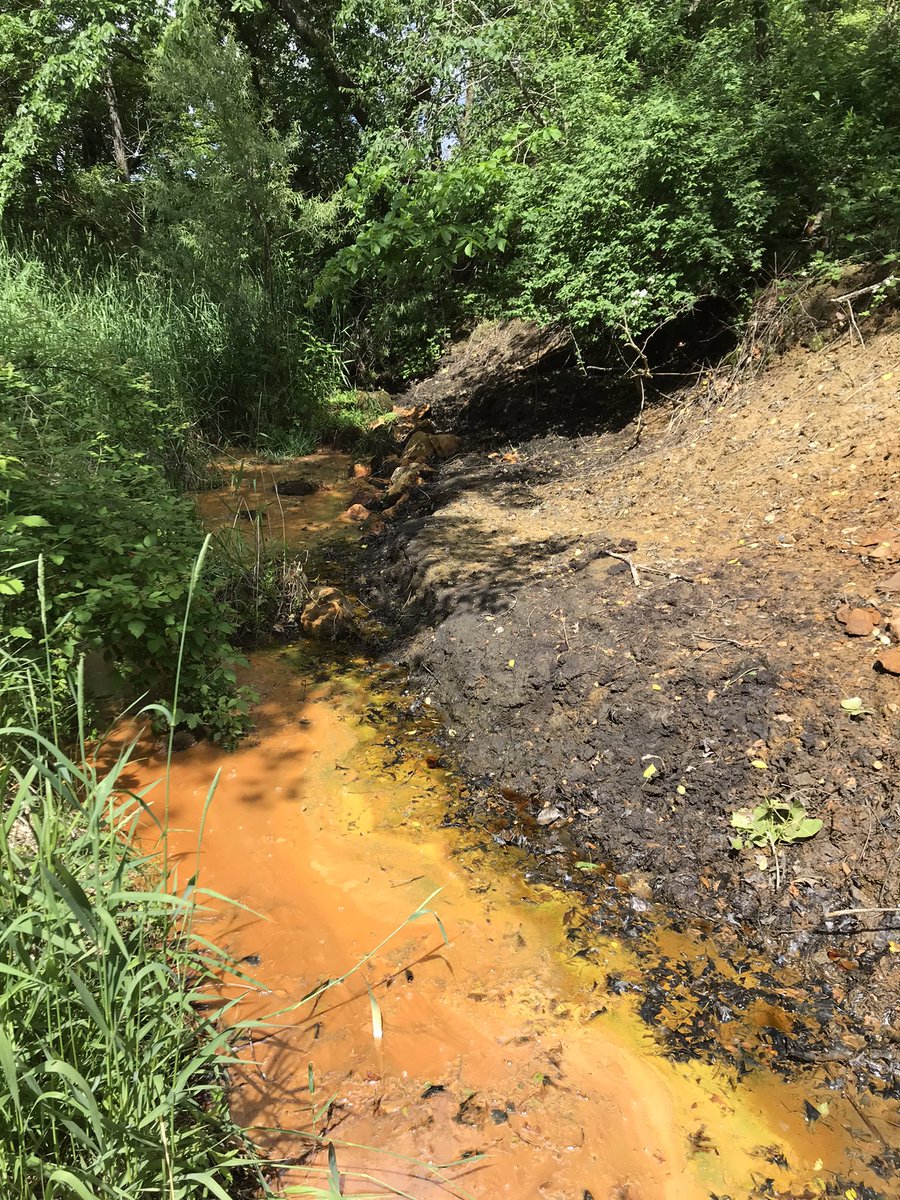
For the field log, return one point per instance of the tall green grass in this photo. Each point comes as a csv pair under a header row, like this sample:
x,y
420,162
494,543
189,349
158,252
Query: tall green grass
x,y
113,1085
162,366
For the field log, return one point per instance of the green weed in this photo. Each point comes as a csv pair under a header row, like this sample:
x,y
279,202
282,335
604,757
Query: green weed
x,y
774,822
113,1086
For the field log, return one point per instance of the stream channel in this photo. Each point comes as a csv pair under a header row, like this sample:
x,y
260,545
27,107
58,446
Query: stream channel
x,y
491,1045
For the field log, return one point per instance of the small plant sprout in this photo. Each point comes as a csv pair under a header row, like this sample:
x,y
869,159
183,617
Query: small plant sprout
x,y
853,706
772,823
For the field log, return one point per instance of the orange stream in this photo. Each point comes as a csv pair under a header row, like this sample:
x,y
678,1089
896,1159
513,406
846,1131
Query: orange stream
x,y
329,828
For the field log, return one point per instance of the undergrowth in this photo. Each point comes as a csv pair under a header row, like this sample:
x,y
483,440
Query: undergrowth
x,y
113,1086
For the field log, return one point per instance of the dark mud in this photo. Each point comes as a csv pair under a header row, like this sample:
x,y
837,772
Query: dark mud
x,y
612,700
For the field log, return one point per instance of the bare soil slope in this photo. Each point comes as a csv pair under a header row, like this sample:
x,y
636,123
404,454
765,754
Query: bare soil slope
x,y
631,642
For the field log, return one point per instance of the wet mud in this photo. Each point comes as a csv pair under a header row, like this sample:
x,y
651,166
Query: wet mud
x,y
502,1034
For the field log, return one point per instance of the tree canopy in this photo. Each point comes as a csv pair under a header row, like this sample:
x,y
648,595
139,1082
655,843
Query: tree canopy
x,y
215,213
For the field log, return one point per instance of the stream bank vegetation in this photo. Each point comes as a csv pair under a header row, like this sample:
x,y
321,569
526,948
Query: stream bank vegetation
x,y
219,221
113,1082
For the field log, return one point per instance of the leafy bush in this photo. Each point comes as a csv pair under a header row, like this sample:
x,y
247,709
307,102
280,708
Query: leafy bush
x,y
117,546
609,165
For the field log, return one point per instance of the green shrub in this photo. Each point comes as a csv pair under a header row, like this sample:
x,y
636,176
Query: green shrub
x,y
116,545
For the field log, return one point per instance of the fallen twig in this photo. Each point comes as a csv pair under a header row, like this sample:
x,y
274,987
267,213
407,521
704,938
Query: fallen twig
x,y
850,912
873,287
635,578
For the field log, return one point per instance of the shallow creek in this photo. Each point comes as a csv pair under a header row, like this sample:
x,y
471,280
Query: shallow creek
x,y
499,1051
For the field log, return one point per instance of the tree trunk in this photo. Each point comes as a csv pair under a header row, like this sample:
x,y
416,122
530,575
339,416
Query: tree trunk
x,y
760,10
318,46
120,154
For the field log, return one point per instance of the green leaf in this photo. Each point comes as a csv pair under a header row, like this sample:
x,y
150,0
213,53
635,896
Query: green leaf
x,y
333,1172
808,828
136,628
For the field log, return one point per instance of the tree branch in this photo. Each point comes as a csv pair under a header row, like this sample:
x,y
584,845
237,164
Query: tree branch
x,y
319,47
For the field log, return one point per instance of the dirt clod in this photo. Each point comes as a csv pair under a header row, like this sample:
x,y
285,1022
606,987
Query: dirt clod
x,y
889,660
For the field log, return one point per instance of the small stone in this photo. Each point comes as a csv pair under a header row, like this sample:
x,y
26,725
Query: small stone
x,y
892,584
861,621
361,471
549,814
357,512
889,660
446,444
328,613
877,536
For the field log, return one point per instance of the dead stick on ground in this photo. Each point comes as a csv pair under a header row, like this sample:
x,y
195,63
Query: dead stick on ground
x,y
850,912
653,570
635,578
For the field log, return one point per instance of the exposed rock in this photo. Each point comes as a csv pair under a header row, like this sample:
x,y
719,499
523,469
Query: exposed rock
x,y
878,536
425,446
366,494
384,466
390,514
446,444
328,613
405,477
357,512
892,584
861,621
889,660
360,471
420,448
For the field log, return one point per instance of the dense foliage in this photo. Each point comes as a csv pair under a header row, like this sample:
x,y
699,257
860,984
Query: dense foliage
x,y
214,213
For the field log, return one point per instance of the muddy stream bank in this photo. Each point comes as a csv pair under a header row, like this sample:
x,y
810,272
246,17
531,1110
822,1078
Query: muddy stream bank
x,y
520,1032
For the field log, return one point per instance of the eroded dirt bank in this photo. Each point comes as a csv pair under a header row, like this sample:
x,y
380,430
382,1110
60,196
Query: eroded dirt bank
x,y
630,643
